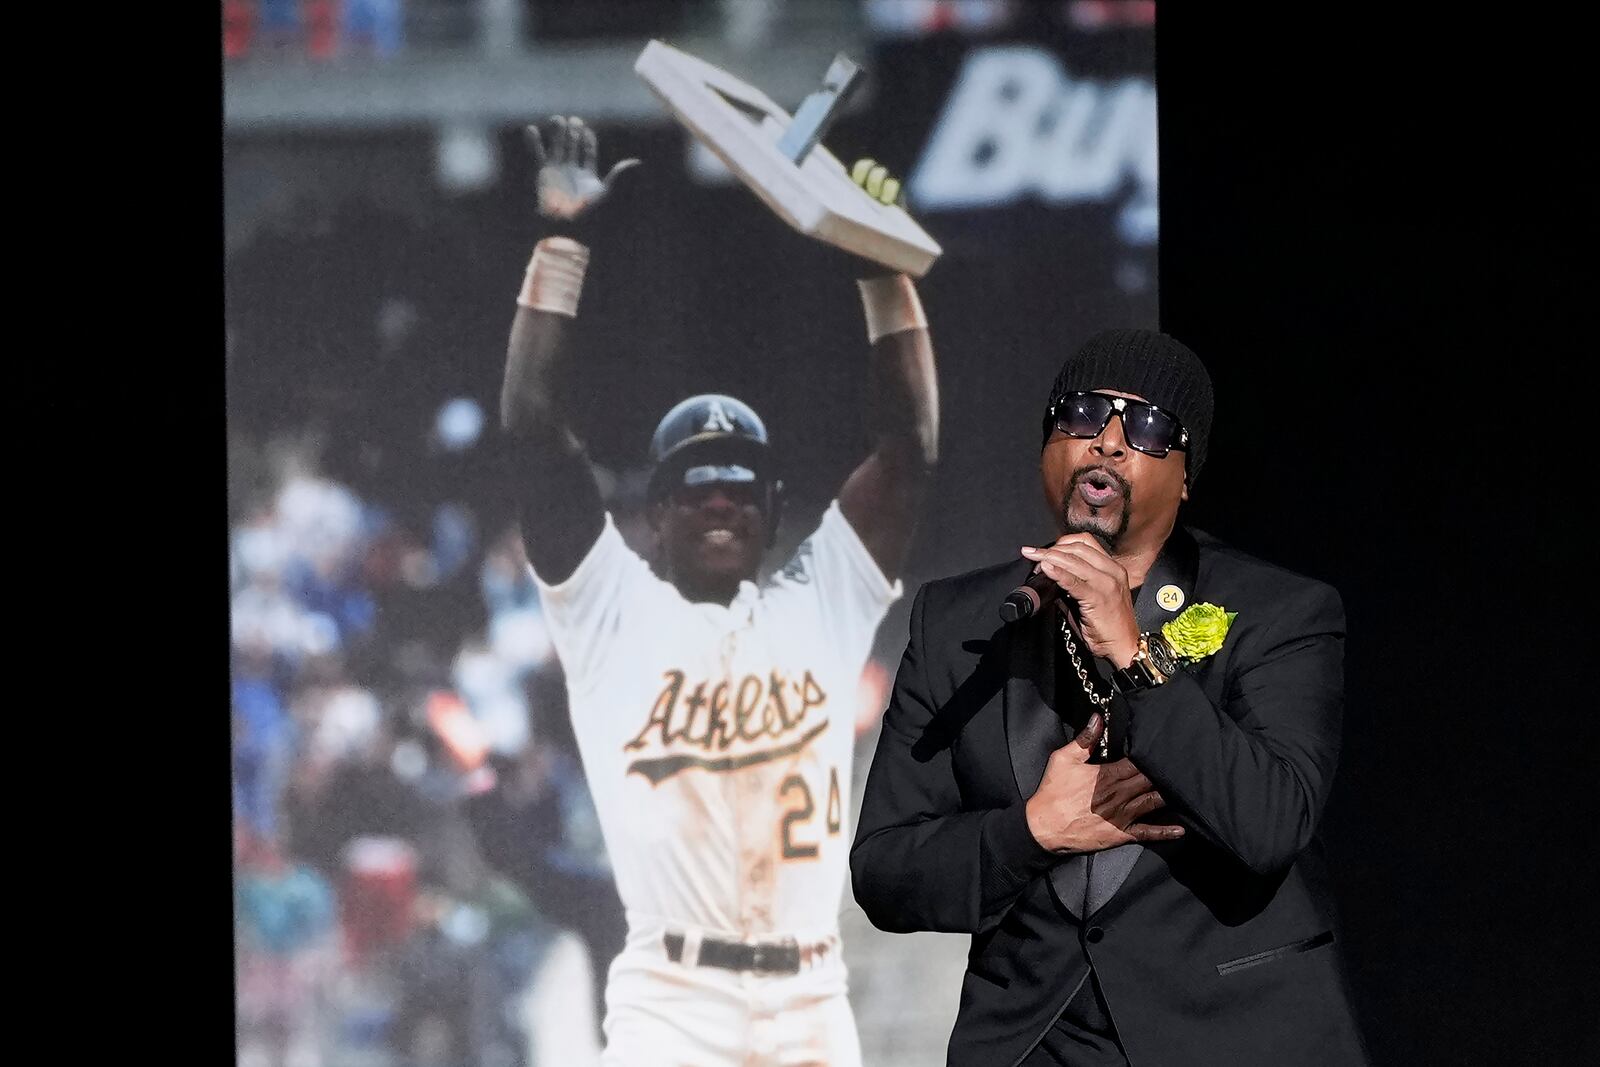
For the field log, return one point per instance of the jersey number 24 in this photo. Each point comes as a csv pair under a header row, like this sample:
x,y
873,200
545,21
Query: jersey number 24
x,y
796,817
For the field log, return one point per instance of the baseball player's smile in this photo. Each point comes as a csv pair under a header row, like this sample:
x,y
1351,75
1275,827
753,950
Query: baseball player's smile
x,y
723,542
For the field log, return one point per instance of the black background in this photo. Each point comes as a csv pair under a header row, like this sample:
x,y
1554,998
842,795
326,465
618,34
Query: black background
x,y
1376,217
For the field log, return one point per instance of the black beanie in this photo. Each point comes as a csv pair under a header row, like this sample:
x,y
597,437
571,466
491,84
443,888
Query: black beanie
x,y
1159,368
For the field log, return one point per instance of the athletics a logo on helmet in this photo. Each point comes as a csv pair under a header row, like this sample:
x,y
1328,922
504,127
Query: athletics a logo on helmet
x,y
717,420
710,437
706,420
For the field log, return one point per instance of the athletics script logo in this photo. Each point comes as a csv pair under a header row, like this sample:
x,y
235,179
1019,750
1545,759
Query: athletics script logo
x,y
707,719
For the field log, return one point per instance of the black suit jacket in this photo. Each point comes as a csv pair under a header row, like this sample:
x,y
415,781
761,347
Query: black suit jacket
x,y
1215,948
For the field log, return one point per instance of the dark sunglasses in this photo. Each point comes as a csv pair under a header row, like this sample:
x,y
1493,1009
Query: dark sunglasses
x,y
1145,427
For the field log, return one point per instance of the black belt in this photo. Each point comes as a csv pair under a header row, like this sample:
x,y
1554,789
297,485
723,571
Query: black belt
x,y
780,958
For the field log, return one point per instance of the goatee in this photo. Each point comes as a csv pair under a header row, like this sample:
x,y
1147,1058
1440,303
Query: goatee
x,y
1108,541
1109,538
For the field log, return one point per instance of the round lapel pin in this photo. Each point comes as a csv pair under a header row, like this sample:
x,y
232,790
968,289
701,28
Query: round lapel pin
x,y
1170,597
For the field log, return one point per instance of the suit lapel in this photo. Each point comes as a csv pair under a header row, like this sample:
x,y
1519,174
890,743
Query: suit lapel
x,y
1168,588
1034,730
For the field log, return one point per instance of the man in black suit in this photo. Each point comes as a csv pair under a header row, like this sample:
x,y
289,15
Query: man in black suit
x,y
1118,796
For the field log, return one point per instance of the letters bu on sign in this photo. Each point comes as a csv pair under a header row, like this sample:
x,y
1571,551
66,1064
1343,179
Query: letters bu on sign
x,y
1016,124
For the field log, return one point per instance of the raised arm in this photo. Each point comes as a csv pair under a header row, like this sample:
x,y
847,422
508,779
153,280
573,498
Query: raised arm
x,y
558,503
882,497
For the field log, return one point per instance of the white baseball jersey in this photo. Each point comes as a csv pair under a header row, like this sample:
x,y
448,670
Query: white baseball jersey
x,y
717,739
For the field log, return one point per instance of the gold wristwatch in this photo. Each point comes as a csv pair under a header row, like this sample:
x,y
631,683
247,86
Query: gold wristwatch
x,y
1152,665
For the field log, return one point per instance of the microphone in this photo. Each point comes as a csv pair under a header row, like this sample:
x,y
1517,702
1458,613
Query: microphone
x,y
1027,599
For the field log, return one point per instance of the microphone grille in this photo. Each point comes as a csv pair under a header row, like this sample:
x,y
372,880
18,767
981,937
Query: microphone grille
x,y
1019,604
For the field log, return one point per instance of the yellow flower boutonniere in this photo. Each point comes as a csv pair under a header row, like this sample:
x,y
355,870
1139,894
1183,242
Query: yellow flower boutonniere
x,y
1199,630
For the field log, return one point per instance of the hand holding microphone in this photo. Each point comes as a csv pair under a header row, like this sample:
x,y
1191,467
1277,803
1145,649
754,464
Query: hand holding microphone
x,y
1079,567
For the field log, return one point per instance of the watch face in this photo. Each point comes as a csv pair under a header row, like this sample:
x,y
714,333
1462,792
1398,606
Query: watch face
x,y
1162,655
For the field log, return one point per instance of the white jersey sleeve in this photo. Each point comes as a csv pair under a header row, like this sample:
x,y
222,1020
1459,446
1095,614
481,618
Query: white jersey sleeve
x,y
585,613
851,592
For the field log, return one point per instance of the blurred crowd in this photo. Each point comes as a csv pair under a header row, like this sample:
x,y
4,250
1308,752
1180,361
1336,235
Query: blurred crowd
x,y
415,844
412,827
321,29
328,29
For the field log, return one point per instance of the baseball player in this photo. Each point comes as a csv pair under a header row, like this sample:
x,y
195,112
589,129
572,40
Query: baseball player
x,y
713,708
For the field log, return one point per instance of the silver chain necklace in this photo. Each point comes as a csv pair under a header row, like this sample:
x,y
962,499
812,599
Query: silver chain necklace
x,y
1103,703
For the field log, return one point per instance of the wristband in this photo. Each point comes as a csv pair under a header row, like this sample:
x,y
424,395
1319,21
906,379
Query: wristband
x,y
892,306
554,279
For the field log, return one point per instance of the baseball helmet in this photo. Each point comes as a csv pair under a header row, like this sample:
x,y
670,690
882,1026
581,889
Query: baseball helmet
x,y
713,438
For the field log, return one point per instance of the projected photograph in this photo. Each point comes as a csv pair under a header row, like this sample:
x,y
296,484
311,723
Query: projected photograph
x,y
603,382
